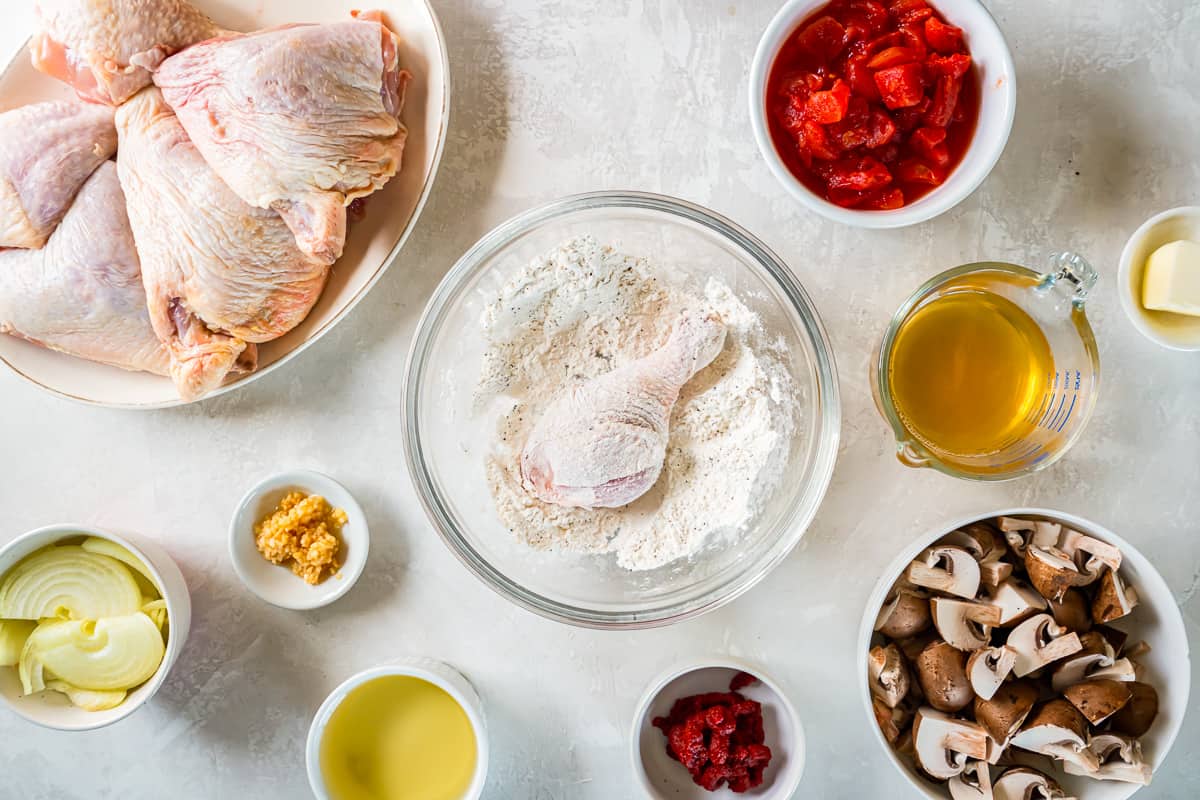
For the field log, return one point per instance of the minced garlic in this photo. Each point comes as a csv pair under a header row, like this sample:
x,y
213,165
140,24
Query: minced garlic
x,y
303,530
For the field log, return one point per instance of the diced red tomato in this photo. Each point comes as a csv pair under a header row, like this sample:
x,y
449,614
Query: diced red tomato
x,y
954,66
901,86
859,174
882,129
829,106
816,141
909,10
872,103
891,57
942,37
930,143
944,98
861,79
913,170
823,39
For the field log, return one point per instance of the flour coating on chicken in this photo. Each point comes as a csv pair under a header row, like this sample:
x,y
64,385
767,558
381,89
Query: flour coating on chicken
x,y
581,339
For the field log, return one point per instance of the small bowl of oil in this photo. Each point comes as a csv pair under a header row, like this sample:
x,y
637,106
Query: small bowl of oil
x,y
412,729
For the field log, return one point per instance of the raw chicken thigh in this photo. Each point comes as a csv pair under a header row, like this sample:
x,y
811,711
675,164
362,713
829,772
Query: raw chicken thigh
x,y
82,293
229,272
299,118
106,49
601,443
40,174
238,266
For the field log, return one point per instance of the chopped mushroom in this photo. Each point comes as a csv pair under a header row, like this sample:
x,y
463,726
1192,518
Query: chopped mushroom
x,y
1095,659
1017,601
1072,611
1139,713
906,614
942,744
1120,759
888,672
1057,730
1052,572
965,625
973,783
1098,554
1019,533
1038,641
1005,712
892,721
943,678
1026,783
1113,599
988,667
948,569
1098,699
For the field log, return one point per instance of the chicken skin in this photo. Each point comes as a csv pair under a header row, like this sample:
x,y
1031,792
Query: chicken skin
x,y
301,119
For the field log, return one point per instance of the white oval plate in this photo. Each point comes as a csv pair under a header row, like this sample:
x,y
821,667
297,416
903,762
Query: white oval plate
x,y
371,245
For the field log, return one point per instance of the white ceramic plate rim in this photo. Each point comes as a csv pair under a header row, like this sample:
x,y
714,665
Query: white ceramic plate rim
x,y
1130,303
309,479
423,197
929,206
175,643
411,668
714,662
1171,617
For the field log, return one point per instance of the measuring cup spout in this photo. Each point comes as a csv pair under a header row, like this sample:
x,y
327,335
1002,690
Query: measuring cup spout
x,y
1069,277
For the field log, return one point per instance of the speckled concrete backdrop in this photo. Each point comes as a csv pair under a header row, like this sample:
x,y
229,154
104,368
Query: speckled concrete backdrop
x,y
559,97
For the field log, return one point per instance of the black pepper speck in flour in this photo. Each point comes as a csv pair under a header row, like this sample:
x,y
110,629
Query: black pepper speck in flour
x,y
585,309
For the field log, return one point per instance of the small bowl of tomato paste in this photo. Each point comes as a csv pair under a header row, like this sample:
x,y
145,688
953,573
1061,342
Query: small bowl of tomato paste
x,y
882,113
716,728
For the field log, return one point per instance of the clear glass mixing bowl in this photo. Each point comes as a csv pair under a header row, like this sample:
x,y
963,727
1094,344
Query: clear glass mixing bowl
x,y
446,441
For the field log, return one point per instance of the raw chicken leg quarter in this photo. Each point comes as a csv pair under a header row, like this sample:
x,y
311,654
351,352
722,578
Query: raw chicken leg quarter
x,y
602,443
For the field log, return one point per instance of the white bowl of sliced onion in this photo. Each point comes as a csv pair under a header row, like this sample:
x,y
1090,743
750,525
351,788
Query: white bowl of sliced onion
x,y
91,623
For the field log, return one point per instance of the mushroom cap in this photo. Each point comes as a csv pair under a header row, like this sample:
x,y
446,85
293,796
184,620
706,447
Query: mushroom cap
x,y
888,672
988,667
1136,717
1056,729
1052,572
943,744
1025,783
1004,714
946,568
892,721
1039,641
965,625
907,614
1113,598
1098,699
1072,612
1019,533
941,671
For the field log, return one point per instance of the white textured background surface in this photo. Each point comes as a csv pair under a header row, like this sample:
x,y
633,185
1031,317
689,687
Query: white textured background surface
x,y
559,97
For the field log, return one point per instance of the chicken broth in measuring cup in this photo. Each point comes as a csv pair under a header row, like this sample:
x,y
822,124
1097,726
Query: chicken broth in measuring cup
x,y
990,370
969,371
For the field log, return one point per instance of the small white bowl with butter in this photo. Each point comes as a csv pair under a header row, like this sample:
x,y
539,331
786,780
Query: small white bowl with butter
x,y
1171,279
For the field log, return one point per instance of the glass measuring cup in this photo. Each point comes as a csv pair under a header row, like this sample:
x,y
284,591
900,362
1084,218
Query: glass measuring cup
x,y
1063,392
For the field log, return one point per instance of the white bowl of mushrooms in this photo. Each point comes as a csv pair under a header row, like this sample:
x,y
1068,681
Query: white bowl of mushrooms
x,y
1025,653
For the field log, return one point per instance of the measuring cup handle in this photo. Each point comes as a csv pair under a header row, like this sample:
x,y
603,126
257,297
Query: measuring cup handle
x,y
909,457
1070,277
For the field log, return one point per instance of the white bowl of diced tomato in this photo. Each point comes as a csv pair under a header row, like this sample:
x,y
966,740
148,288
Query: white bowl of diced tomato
x,y
882,113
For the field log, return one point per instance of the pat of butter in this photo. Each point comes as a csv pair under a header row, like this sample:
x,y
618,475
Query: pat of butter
x,y
1172,280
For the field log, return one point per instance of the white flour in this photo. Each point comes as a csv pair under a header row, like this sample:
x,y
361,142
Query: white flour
x,y
579,312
